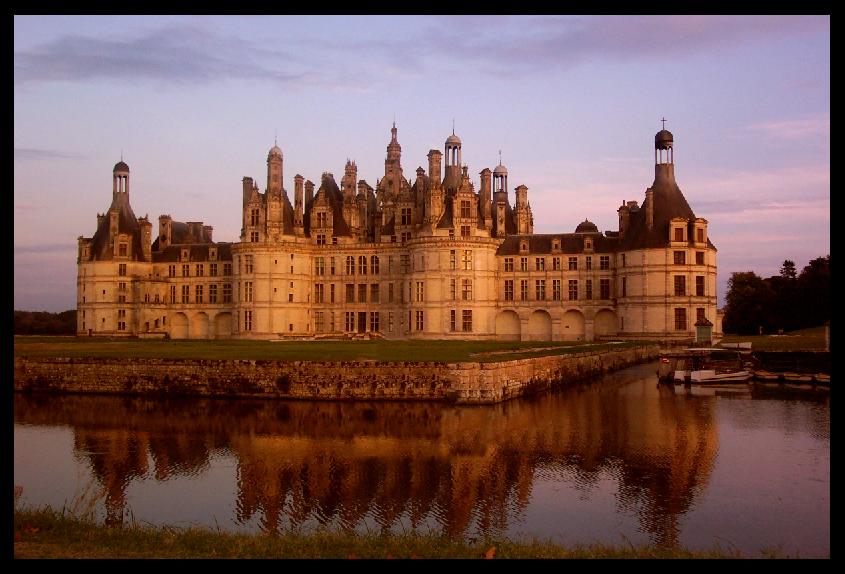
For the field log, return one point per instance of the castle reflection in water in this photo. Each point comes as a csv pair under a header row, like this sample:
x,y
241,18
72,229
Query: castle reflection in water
x,y
337,463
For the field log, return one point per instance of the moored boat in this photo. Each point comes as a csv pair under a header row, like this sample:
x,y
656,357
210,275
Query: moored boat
x,y
711,376
822,379
766,376
797,378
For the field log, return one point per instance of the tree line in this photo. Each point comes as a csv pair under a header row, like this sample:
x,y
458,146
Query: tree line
x,y
45,323
786,301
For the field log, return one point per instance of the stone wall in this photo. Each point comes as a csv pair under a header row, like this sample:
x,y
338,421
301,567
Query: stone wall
x,y
463,383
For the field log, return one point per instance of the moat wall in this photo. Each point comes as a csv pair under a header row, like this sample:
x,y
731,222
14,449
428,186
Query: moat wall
x,y
462,383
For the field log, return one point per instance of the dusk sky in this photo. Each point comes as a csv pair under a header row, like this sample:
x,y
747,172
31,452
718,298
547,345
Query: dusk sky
x,y
573,103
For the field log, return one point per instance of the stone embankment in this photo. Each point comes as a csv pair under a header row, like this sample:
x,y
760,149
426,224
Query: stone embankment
x,y
462,383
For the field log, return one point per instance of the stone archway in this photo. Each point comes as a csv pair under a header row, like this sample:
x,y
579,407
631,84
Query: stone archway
x,y
223,325
199,326
507,326
179,326
572,326
540,326
604,323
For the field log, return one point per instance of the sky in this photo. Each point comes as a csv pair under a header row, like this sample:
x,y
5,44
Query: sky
x,y
194,103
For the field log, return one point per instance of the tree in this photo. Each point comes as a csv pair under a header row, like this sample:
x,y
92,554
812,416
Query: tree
x,y
749,307
787,270
814,287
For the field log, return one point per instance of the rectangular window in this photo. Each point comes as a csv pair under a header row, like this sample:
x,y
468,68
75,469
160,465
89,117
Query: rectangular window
x,y
390,321
121,286
254,217
375,296
374,264
248,291
173,293
321,219
331,265
604,262
319,292
699,257
573,289
375,317
680,319
508,263
465,209
390,264
212,293
319,322
253,237
321,239
624,286
198,293
200,270
453,320
121,326
227,269
390,292
466,320
699,235
680,285
452,259
404,263
122,250
453,289
420,294
573,264
121,298
540,289
556,289
588,263
186,270
466,259
556,263
331,293
420,321
406,216
319,266
350,265
121,269
699,314
699,285
185,293
349,323
362,264
227,292
679,234
523,264
171,271
604,288
362,293
465,231
523,290
540,264
680,257
466,289
212,269
508,289
247,320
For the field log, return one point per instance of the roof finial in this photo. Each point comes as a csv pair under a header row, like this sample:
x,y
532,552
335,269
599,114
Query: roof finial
x,y
664,123
500,157
121,154
394,119
453,126
276,137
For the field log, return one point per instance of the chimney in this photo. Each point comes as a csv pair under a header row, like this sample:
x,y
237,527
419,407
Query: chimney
x,y
649,205
164,232
247,184
207,229
146,238
624,217
434,157
298,208
309,192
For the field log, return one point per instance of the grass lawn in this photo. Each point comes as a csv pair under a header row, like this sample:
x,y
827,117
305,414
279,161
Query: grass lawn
x,y
414,351
811,339
49,534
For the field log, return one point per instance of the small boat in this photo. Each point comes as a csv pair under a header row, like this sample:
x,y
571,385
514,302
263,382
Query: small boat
x,y
711,376
822,378
797,378
766,376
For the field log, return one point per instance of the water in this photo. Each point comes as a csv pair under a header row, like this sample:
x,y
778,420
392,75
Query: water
x,y
615,461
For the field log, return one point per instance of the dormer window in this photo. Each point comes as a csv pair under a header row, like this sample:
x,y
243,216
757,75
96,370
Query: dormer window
x,y
679,234
186,254
122,250
523,247
556,245
699,235
588,244
212,254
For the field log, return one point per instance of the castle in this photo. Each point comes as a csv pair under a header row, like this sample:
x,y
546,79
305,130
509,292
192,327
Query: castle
x,y
428,259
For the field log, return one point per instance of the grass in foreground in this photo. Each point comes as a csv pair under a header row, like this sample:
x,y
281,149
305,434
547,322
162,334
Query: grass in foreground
x,y
49,534
415,351
811,339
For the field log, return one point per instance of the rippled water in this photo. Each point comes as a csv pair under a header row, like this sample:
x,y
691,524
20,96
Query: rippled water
x,y
615,461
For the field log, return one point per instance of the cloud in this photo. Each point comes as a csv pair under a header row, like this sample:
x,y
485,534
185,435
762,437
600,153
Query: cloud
x,y
46,248
813,127
40,154
177,54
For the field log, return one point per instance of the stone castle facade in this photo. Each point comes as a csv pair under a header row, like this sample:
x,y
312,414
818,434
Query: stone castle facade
x,y
428,259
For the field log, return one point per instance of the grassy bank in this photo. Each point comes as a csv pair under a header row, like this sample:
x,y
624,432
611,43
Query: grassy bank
x,y
802,340
49,534
439,350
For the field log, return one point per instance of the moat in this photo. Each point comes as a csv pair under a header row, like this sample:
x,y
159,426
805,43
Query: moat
x,y
614,460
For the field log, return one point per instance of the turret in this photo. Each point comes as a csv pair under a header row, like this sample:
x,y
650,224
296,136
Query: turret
x,y
165,232
120,180
247,186
298,206
146,237
275,163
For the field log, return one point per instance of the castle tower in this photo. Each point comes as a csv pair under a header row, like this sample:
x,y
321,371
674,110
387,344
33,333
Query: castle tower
x,y
274,170
392,180
452,177
524,217
120,180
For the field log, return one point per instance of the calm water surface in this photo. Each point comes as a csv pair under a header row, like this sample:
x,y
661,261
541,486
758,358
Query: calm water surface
x,y
615,461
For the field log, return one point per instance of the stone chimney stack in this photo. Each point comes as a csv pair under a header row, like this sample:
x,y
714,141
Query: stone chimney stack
x,y
208,230
309,192
624,217
165,238
434,157
247,184
649,208
146,238
298,207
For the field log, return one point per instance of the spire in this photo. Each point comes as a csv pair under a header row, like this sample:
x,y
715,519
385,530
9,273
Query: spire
x,y
276,137
500,157
664,123
453,126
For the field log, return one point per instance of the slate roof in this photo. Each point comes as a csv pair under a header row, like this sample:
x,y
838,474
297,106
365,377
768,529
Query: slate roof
x,y
541,244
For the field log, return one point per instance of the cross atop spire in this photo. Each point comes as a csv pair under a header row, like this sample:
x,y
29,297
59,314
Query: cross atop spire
x,y
121,154
664,123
